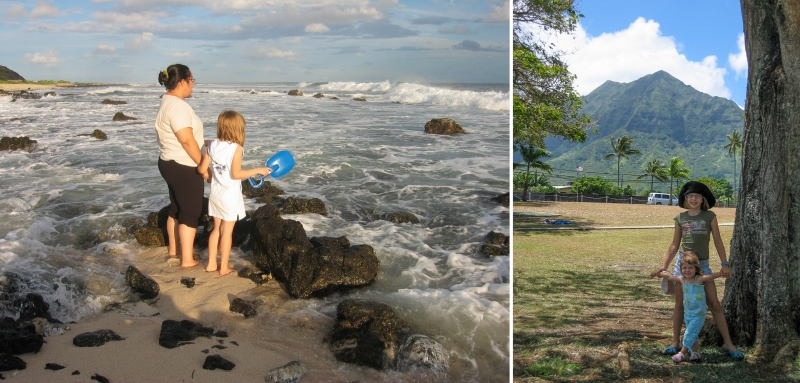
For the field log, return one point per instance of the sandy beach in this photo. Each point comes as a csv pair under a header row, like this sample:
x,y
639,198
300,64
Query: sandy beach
x,y
253,347
19,87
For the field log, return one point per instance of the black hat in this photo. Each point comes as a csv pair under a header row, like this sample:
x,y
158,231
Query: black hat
x,y
699,188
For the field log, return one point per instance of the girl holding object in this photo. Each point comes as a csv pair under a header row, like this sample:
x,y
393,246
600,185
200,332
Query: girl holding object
x,y
225,202
692,283
694,229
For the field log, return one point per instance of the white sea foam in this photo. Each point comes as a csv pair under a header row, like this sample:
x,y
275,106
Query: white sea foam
x,y
357,86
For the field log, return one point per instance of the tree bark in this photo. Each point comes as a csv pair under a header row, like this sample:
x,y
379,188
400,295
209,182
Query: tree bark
x,y
762,298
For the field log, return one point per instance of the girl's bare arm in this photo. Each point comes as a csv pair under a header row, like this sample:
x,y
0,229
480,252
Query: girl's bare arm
x,y
238,173
720,246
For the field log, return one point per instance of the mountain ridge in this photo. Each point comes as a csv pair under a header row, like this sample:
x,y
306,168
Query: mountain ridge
x,y
665,118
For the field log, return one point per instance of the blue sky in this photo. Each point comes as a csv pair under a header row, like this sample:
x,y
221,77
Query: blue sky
x,y
696,41
129,41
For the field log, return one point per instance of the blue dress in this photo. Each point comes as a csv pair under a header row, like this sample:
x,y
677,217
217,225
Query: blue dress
x,y
694,310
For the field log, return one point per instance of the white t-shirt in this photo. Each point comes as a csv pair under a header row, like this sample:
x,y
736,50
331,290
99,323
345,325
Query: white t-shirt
x,y
174,115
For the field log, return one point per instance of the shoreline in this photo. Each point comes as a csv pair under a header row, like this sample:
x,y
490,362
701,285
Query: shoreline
x,y
29,87
255,345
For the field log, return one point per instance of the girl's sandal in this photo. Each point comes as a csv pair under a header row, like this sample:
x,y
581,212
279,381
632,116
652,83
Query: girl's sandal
x,y
670,350
735,354
679,357
695,357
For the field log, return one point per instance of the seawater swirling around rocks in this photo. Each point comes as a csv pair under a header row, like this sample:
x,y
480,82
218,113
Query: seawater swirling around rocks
x,y
67,204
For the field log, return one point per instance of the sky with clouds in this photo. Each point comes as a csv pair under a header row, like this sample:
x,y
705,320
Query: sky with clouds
x,y
699,42
129,41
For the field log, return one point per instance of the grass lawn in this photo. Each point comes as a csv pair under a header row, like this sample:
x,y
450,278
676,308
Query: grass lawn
x,y
583,298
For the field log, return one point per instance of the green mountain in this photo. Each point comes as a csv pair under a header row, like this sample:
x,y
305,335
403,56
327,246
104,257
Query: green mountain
x,y
665,118
8,74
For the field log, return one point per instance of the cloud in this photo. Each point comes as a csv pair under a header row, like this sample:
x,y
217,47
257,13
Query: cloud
x,y
182,54
317,28
140,43
103,49
499,14
630,54
268,52
431,20
738,61
469,45
46,58
16,11
456,31
311,11
44,9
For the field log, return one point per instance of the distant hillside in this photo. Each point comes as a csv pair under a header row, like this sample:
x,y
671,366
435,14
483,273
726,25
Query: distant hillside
x,y
8,74
665,118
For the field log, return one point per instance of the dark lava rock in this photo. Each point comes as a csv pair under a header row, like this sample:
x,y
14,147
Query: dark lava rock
x,y
112,102
443,126
257,276
400,217
53,366
9,362
100,378
99,134
150,236
95,338
214,362
366,333
25,95
496,244
119,116
221,334
32,306
319,95
76,372
146,287
248,308
294,205
502,199
20,339
282,248
205,351
422,353
17,143
218,347
265,194
289,373
359,99
187,281
233,342
295,92
174,333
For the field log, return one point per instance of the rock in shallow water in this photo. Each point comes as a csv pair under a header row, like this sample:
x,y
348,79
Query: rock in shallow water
x,y
420,352
20,339
95,338
290,373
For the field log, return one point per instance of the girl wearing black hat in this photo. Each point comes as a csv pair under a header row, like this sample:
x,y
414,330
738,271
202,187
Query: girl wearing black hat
x,y
694,230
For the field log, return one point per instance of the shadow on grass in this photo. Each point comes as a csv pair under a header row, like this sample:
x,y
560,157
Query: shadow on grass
x,y
568,325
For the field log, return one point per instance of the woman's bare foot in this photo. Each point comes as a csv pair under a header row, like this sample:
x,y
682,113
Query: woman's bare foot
x,y
224,272
210,269
190,265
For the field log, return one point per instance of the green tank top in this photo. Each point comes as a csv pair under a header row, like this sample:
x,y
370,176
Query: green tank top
x,y
695,232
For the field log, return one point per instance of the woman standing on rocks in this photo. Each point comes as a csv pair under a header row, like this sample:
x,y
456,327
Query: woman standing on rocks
x,y
180,137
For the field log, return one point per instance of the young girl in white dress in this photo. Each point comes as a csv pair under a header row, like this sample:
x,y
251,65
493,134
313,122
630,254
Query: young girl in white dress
x,y
225,203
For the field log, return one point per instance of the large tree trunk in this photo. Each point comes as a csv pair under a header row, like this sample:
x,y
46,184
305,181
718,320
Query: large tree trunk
x,y
762,299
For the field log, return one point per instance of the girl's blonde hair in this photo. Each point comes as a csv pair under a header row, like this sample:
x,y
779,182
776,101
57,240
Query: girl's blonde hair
x,y
230,127
690,258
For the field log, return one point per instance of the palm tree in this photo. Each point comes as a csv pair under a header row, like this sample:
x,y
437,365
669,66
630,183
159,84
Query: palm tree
x,y
622,149
675,171
734,146
531,156
655,170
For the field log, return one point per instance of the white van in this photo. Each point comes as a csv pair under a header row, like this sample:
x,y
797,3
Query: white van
x,y
661,199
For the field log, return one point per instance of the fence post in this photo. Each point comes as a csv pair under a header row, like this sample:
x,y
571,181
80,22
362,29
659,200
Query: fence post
x,y
631,200
606,199
556,197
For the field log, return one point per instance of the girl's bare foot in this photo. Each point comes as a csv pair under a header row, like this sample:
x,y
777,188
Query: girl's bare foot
x,y
209,269
190,265
224,272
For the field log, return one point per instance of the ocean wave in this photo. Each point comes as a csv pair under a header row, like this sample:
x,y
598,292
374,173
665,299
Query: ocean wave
x,y
357,86
408,93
